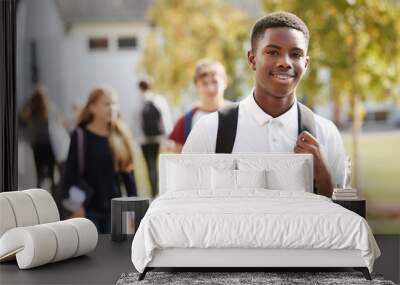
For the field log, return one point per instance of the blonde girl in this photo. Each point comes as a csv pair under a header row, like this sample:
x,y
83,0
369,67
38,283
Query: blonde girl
x,y
100,158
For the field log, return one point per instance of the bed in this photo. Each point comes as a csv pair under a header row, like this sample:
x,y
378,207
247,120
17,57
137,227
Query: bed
x,y
247,210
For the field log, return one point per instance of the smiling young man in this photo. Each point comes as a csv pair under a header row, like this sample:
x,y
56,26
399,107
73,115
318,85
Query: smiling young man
x,y
270,119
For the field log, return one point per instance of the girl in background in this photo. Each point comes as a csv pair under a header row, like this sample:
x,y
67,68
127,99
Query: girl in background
x,y
106,161
34,126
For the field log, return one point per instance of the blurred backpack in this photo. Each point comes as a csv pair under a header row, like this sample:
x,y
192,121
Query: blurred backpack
x,y
152,124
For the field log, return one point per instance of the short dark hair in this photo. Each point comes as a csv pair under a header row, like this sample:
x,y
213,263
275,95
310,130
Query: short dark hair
x,y
276,20
144,85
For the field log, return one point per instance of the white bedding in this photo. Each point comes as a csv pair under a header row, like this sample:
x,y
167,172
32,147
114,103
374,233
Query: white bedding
x,y
252,218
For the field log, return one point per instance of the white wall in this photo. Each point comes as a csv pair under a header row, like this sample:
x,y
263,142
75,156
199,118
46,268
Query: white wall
x,y
66,66
83,69
38,20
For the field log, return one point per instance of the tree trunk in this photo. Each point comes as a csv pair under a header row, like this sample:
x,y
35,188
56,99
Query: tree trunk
x,y
355,102
337,114
337,107
356,125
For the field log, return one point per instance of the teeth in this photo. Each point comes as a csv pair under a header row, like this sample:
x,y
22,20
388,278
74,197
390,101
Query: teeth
x,y
282,76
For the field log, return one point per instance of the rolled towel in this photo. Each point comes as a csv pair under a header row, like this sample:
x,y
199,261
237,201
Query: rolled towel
x,y
45,205
23,208
40,244
7,218
32,246
67,240
87,235
26,208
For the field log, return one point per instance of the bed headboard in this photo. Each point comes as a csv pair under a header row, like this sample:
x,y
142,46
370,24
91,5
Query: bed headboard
x,y
283,163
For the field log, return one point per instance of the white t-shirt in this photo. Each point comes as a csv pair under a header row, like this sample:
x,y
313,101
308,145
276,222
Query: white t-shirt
x,y
197,115
259,132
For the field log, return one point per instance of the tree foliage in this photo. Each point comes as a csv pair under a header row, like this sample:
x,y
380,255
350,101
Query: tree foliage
x,y
357,40
185,31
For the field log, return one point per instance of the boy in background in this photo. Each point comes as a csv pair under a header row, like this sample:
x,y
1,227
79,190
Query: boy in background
x,y
210,81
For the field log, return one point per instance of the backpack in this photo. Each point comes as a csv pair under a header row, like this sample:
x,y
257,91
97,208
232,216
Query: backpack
x,y
228,118
152,124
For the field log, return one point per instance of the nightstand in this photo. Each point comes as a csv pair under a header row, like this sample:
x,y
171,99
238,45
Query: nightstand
x,y
126,214
357,206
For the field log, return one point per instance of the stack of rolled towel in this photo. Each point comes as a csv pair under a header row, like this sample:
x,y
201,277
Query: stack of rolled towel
x,y
345,194
31,231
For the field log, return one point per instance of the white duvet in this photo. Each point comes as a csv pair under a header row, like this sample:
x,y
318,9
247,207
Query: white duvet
x,y
255,218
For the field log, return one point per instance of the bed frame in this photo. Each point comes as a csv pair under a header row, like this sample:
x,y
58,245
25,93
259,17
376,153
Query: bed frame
x,y
242,259
245,259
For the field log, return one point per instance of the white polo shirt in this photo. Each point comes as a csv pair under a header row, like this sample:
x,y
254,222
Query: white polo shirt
x,y
259,132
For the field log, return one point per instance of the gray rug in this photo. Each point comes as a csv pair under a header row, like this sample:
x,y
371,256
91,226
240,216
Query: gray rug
x,y
229,278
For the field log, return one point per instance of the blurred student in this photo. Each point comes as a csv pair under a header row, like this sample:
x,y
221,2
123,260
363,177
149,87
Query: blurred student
x,y
34,126
99,158
155,124
210,81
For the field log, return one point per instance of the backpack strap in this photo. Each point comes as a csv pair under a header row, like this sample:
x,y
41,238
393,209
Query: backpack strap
x,y
81,147
187,123
305,119
227,126
306,122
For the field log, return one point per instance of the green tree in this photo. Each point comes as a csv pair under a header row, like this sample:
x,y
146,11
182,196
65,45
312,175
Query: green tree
x,y
185,31
358,41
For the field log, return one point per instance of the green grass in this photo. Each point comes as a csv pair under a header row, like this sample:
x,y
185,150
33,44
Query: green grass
x,y
379,165
141,175
388,226
379,176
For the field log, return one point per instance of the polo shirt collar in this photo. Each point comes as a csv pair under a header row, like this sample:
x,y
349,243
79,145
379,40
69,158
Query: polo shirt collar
x,y
287,119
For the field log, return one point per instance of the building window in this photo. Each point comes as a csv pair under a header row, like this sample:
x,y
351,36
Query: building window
x,y
127,43
98,43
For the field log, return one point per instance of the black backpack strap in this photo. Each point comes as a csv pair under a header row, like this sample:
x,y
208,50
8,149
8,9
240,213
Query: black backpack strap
x,y
306,122
227,126
305,119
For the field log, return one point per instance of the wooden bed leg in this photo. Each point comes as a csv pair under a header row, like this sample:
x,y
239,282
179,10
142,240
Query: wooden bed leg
x,y
364,271
143,274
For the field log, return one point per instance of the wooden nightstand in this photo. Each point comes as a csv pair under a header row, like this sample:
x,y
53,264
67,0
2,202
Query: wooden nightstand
x,y
357,206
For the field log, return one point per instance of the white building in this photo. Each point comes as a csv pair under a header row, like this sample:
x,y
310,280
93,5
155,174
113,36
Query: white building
x,y
72,46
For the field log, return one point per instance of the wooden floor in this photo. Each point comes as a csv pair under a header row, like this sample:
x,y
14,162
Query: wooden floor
x,y
110,260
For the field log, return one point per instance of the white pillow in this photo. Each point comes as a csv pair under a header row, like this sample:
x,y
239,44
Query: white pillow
x,y
281,174
223,179
251,178
293,180
227,179
188,177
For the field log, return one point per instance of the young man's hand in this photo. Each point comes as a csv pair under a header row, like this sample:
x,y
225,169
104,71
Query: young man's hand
x,y
306,143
